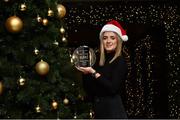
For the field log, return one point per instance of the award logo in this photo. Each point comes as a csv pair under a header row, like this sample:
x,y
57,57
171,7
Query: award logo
x,y
83,56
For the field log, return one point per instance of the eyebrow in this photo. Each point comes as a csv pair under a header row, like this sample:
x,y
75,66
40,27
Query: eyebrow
x,y
110,36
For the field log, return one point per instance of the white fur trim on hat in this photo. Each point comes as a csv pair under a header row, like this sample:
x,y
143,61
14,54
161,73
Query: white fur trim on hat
x,y
113,28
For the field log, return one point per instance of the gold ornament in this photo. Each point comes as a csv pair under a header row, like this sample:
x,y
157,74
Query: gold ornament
x,y
61,10
54,105
39,19
14,24
66,101
42,67
23,7
1,87
38,109
21,81
50,13
45,22
62,30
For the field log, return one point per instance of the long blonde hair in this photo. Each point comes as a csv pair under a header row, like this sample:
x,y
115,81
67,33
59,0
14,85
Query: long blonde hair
x,y
117,50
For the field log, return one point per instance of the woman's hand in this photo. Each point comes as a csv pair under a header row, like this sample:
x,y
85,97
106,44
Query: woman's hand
x,y
86,70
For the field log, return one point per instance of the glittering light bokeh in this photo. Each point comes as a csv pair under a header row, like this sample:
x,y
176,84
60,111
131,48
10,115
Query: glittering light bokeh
x,y
140,87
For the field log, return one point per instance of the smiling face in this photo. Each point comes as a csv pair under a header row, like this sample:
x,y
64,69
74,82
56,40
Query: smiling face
x,y
110,41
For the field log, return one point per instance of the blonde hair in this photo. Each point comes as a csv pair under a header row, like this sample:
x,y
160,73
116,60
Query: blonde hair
x,y
117,50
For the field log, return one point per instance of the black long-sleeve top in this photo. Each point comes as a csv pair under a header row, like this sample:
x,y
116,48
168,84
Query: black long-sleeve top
x,y
111,79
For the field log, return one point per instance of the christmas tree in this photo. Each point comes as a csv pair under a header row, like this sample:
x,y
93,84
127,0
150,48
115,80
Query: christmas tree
x,y
37,78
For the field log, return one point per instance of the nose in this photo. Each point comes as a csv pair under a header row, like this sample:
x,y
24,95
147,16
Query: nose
x,y
108,40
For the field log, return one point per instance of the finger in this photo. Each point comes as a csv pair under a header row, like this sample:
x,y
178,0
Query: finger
x,y
80,69
77,67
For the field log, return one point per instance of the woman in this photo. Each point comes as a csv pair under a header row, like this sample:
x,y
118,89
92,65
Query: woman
x,y
104,82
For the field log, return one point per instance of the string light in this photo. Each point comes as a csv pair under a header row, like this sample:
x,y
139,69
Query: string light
x,y
165,15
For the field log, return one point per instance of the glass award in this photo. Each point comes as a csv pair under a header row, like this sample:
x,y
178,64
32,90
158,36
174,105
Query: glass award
x,y
83,56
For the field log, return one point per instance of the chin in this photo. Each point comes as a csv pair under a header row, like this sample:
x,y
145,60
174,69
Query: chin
x,y
109,50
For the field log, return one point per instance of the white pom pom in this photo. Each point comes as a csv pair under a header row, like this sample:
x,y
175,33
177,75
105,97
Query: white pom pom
x,y
124,37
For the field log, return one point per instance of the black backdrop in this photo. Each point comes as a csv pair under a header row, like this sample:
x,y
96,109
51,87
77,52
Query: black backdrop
x,y
149,86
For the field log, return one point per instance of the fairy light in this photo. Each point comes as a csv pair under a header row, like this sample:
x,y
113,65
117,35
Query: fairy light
x,y
165,15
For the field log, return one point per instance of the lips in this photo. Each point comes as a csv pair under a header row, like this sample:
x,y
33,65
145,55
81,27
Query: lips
x,y
109,45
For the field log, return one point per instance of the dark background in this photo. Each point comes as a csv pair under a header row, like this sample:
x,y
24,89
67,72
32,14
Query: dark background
x,y
146,96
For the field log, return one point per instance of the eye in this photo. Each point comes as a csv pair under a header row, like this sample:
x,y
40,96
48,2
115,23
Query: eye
x,y
105,37
112,37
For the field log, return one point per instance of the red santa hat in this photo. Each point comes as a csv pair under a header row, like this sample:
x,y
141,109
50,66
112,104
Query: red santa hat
x,y
114,26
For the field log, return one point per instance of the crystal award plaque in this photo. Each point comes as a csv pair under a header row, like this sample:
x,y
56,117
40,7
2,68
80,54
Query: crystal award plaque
x,y
83,56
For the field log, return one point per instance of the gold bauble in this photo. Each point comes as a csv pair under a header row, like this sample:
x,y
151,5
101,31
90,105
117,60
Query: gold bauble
x,y
1,88
66,101
45,22
61,10
23,7
50,13
14,24
42,67
62,30
54,105
39,19
21,81
38,109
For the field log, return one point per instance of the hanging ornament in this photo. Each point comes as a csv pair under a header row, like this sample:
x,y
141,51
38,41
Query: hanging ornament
x,y
62,30
36,51
38,109
23,7
54,105
66,101
1,88
61,10
50,13
45,22
21,81
14,24
42,67
39,19
64,39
